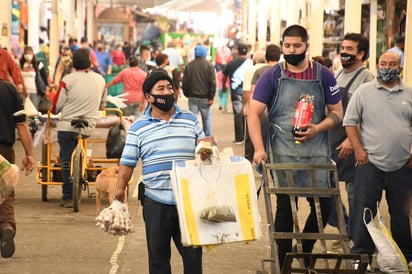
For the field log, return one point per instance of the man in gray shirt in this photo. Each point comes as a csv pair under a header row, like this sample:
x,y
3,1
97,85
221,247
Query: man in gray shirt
x,y
378,122
354,52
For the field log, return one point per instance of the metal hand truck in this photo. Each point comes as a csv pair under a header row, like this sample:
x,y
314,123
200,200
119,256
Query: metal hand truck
x,y
315,263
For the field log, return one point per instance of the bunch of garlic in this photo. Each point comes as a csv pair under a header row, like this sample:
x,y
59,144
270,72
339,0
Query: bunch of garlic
x,y
115,219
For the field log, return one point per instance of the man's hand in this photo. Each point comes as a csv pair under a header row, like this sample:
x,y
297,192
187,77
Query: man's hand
x,y
345,148
311,131
27,165
361,156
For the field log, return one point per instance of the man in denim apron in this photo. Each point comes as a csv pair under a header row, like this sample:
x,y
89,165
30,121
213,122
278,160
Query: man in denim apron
x,y
278,90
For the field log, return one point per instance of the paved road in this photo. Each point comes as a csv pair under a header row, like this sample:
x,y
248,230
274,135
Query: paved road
x,y
51,239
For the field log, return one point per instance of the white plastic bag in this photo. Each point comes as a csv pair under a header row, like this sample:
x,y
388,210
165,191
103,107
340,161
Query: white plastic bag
x,y
29,108
389,257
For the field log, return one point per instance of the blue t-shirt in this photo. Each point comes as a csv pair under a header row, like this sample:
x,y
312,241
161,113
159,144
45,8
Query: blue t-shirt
x,y
267,85
159,143
104,59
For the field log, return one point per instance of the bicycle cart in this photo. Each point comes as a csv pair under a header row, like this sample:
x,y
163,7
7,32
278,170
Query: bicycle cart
x,y
85,166
299,262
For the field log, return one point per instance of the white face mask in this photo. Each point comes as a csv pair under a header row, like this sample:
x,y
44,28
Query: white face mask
x,y
28,57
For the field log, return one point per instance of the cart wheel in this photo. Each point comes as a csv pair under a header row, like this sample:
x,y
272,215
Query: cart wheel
x,y
44,193
77,179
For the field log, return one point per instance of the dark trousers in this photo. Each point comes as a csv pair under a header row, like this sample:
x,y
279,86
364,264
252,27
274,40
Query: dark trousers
x,y
239,120
370,182
7,207
284,223
67,142
162,225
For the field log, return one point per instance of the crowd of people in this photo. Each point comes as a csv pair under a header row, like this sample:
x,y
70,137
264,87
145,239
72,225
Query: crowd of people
x,y
360,121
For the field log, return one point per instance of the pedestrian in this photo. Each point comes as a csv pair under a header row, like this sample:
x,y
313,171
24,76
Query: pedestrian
x,y
258,62
34,76
118,56
162,61
222,97
399,48
199,85
104,59
378,122
63,66
12,117
235,71
132,79
278,90
353,53
144,58
10,71
272,56
165,133
175,58
79,95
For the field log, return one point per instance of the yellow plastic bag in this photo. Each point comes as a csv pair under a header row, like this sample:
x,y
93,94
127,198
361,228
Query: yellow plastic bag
x,y
389,257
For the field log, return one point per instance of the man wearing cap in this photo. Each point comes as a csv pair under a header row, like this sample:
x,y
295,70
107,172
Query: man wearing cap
x,y
164,134
235,70
199,85
79,96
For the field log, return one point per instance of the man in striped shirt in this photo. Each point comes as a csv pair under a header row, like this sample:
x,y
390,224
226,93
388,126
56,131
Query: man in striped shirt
x,y
165,133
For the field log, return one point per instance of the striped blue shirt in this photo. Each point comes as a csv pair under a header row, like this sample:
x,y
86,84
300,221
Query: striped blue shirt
x,y
158,143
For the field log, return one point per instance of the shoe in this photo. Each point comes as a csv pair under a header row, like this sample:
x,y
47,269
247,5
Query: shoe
x,y
238,142
7,242
220,108
67,203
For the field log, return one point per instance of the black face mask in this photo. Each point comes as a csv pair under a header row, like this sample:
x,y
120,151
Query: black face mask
x,y
347,60
163,102
295,59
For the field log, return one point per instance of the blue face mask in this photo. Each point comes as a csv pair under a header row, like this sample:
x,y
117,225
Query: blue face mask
x,y
388,75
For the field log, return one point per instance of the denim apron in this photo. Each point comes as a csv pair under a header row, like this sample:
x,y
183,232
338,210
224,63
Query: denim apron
x,y
283,146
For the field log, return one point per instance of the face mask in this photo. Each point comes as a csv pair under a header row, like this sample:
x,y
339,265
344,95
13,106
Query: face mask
x,y
163,102
347,60
295,59
388,75
28,57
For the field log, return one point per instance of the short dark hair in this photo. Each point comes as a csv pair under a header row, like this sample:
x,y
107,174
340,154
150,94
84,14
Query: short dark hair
x,y
296,31
272,53
161,58
83,40
143,48
363,43
81,59
133,62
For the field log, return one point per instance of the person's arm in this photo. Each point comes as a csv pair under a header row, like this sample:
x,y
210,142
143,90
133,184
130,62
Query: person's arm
x,y
27,163
256,109
125,173
224,79
360,154
212,84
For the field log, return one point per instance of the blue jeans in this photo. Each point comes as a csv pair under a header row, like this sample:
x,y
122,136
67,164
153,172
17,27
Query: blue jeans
x,y
239,120
162,225
369,184
202,105
67,142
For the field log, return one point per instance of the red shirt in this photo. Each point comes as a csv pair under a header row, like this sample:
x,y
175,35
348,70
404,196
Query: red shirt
x,y
8,68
